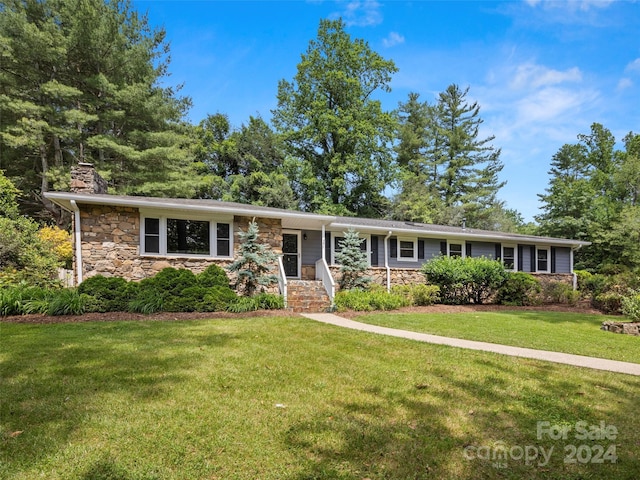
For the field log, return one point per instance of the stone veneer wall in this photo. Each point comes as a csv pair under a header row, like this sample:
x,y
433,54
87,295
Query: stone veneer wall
x,y
399,276
111,244
409,276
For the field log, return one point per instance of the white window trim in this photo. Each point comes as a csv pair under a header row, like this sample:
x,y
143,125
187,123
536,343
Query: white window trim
x,y
515,255
163,215
457,242
548,250
364,236
414,241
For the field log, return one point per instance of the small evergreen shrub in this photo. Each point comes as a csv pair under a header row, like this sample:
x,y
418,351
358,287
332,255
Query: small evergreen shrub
x,y
213,276
520,288
631,305
110,294
217,299
465,280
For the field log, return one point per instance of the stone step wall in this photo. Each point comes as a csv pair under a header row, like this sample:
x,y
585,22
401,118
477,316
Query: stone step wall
x,y
307,296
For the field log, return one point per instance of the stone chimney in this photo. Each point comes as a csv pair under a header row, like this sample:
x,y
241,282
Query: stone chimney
x,y
85,179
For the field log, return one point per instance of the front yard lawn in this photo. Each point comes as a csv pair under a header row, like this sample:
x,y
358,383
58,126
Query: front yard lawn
x,y
291,399
576,333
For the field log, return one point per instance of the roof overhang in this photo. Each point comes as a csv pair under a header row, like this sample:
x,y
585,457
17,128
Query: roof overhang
x,y
299,220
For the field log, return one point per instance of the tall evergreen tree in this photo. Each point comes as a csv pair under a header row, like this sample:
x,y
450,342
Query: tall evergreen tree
x,y
448,173
80,81
337,134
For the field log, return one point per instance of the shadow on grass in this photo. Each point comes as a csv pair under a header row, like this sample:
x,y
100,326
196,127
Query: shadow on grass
x,y
55,376
366,440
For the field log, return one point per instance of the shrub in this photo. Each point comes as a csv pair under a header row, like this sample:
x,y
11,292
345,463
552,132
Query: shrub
x,y
520,288
631,305
110,294
148,301
465,280
418,294
362,300
560,292
217,299
584,278
608,302
59,242
213,276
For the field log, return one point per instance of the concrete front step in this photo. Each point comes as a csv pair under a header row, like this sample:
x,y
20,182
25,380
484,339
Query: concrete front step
x,y
307,296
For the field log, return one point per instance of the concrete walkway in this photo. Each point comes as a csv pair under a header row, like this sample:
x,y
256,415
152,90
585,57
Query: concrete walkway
x,y
566,358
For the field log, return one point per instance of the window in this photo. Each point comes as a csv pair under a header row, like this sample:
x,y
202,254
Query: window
x,y
455,250
151,235
162,235
407,250
337,240
190,237
509,257
542,257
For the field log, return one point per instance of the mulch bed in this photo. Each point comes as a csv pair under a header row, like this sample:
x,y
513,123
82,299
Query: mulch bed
x,y
176,316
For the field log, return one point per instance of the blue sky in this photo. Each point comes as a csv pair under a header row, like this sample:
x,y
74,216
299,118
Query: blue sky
x,y
541,71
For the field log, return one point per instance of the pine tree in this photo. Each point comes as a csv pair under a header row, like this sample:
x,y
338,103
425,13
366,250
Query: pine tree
x,y
255,262
353,262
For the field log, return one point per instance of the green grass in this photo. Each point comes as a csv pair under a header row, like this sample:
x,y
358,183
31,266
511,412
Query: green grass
x,y
575,333
288,398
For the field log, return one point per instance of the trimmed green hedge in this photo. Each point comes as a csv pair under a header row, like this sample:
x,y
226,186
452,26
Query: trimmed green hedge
x,y
171,290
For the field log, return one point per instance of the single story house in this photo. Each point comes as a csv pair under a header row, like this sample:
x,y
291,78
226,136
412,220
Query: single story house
x,y
135,237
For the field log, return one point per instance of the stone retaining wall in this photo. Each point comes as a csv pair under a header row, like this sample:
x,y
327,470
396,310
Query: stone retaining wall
x,y
628,328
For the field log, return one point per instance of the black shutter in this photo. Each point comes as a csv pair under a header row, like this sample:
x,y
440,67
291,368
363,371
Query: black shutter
x,y
420,249
443,248
393,246
553,259
520,253
468,249
498,251
374,251
327,247
534,266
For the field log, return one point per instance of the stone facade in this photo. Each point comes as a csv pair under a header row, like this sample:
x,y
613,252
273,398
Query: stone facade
x,y
111,244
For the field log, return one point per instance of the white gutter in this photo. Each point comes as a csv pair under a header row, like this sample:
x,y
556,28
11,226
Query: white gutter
x,y
386,260
77,232
139,202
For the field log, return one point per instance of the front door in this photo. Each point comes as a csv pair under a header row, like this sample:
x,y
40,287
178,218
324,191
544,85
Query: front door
x,y
291,253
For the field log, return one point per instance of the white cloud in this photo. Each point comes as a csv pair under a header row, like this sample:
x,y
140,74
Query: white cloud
x,y
571,5
530,75
625,83
360,13
393,39
633,66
